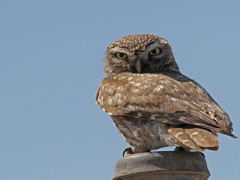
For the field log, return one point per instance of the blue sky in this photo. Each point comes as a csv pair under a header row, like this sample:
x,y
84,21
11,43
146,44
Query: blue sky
x,y
51,64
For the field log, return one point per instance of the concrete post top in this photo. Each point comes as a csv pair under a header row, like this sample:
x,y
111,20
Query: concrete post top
x,y
169,165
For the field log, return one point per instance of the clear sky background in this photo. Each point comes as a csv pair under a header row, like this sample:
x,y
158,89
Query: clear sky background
x,y
51,64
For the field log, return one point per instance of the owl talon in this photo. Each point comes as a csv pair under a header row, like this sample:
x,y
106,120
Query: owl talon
x,y
202,154
128,151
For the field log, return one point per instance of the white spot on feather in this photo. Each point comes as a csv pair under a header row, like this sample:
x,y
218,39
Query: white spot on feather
x,y
179,133
110,101
194,134
164,41
130,78
130,108
158,88
123,77
118,95
119,111
119,102
137,84
139,114
135,90
153,116
176,89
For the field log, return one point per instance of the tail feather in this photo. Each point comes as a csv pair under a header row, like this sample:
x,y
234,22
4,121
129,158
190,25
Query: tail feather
x,y
202,137
195,138
184,138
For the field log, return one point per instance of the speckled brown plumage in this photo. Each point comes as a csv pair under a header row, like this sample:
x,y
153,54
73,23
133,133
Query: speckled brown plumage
x,y
152,104
135,43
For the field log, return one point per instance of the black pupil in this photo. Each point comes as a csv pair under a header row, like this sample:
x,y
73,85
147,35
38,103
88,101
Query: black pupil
x,y
154,51
121,55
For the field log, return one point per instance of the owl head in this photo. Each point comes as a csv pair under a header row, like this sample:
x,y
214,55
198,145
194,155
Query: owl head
x,y
140,53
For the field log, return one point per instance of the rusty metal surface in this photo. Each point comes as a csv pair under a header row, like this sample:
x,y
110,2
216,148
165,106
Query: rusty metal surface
x,y
165,165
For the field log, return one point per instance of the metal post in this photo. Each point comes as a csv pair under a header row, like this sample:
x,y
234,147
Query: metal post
x,y
165,165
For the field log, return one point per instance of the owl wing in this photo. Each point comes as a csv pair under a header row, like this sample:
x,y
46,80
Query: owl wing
x,y
174,99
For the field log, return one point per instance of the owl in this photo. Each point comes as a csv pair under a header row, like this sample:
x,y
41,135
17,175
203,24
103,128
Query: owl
x,y
152,104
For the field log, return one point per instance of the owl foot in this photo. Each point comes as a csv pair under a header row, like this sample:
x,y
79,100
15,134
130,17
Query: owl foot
x,y
177,148
128,151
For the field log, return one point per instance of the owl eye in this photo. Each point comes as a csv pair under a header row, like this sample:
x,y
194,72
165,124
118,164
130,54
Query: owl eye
x,y
121,56
155,52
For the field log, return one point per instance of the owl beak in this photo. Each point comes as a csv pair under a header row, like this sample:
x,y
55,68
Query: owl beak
x,y
138,66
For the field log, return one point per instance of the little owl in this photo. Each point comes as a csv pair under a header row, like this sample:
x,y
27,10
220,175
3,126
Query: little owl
x,y
152,104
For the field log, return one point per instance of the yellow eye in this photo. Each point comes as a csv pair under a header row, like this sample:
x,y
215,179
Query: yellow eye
x,y
121,56
155,52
